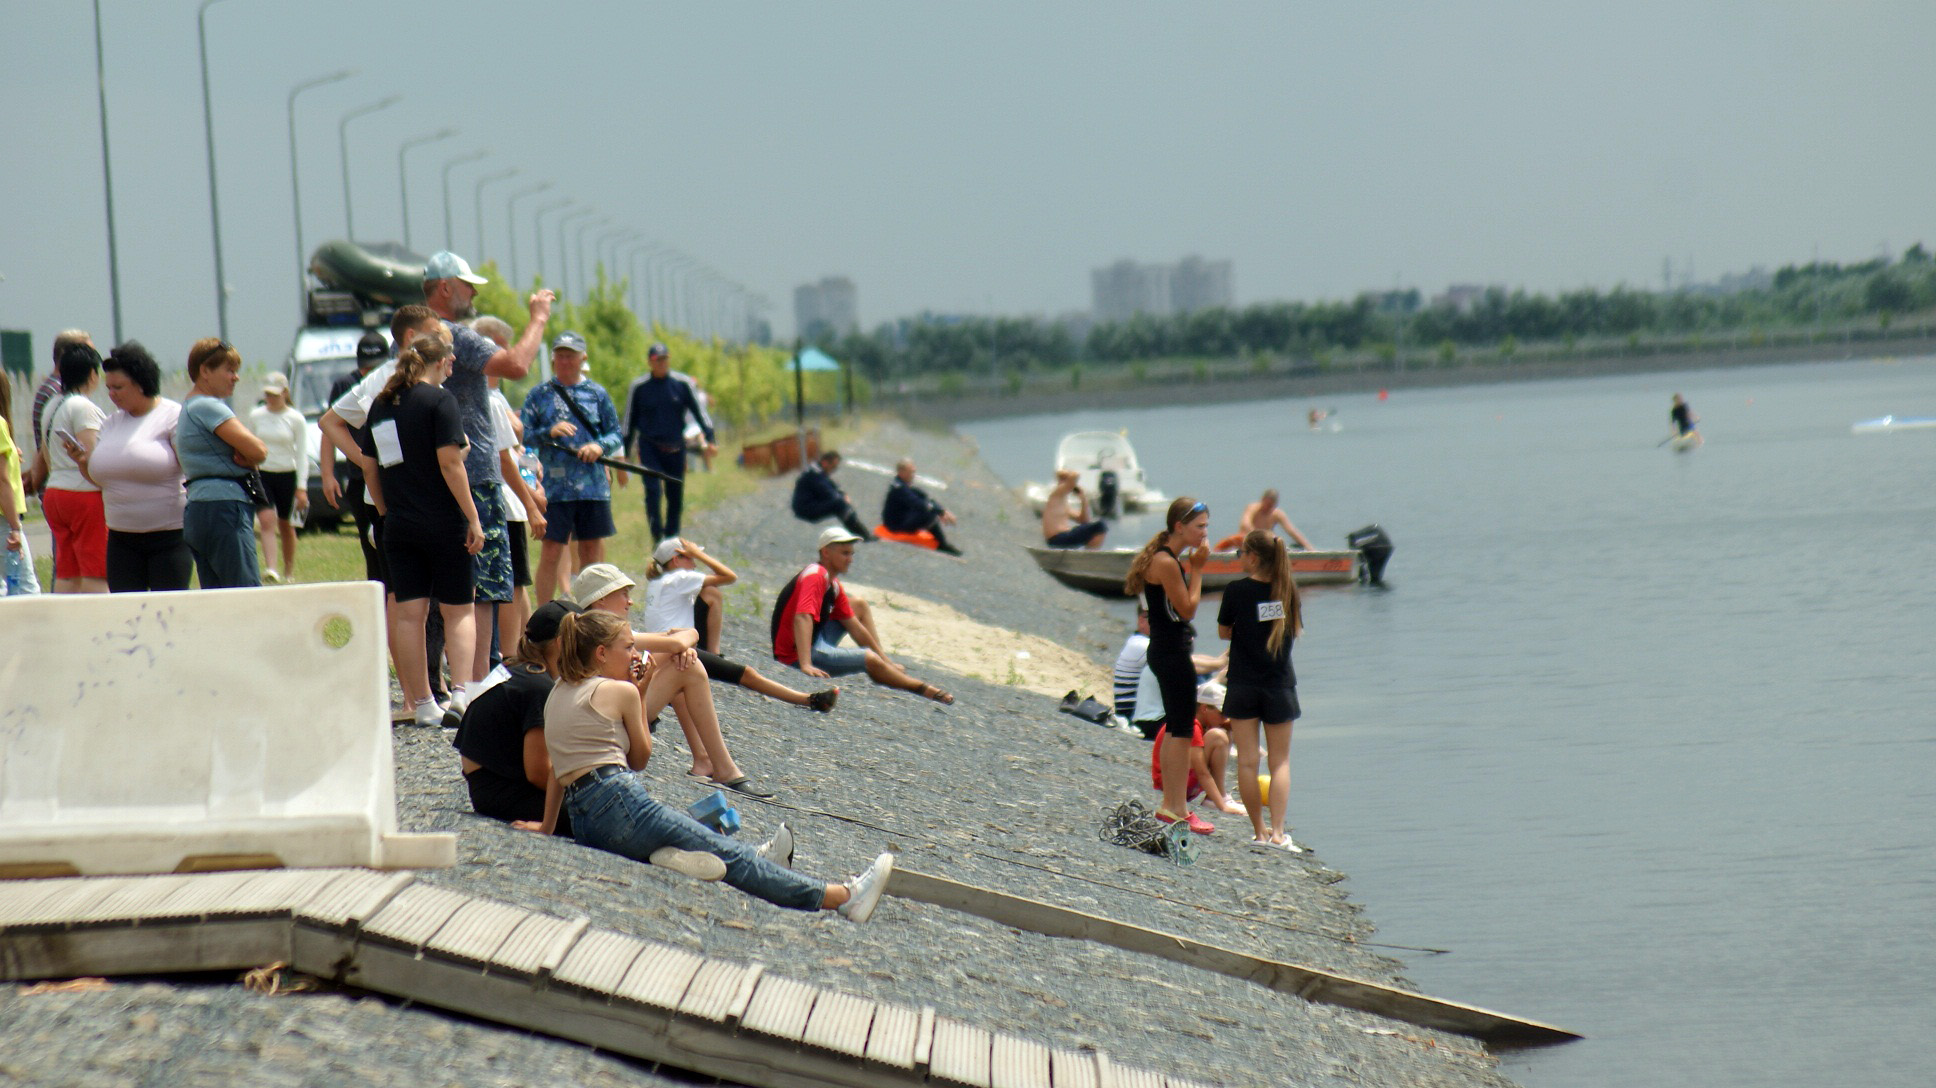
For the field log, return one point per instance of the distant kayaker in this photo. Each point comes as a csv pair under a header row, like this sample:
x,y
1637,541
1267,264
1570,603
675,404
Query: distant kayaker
x,y
1056,528
1684,419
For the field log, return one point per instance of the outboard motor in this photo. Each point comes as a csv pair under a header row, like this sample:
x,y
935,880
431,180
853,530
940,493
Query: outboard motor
x,y
1372,543
1108,493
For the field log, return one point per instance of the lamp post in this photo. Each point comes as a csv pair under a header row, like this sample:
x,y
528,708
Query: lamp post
x,y
343,139
295,186
578,237
564,261
537,228
107,175
450,165
477,203
511,221
403,178
214,206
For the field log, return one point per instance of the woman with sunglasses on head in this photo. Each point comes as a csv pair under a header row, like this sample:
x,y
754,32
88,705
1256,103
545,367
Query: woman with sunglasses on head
x,y
1261,616
595,735
1172,593
217,453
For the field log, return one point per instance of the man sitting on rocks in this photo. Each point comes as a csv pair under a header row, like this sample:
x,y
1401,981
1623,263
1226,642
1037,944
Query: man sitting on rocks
x,y
1056,529
814,611
908,509
816,497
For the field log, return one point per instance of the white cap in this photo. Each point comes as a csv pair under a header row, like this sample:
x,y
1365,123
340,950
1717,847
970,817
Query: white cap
x,y
834,534
1211,694
597,582
667,551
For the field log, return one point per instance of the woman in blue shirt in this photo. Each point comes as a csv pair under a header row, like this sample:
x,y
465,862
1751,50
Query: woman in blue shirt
x,y
217,452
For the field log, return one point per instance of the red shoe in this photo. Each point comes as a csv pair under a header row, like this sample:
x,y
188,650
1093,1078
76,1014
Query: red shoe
x,y
1191,820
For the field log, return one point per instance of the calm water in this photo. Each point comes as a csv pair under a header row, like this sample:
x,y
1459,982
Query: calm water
x,y
1647,740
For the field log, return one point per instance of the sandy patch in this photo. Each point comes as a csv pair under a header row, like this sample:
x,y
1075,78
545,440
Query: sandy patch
x,y
916,629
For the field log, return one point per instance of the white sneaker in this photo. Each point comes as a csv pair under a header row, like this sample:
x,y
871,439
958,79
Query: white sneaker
x,y
864,891
692,863
779,848
454,710
428,714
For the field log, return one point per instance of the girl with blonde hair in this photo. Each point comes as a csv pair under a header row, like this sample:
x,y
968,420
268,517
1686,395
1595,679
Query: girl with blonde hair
x,y
1261,615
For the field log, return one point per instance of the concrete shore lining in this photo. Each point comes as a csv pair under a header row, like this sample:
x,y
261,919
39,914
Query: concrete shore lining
x,y
386,933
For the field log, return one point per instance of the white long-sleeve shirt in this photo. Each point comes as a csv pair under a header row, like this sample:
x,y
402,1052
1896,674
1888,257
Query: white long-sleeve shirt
x,y
286,433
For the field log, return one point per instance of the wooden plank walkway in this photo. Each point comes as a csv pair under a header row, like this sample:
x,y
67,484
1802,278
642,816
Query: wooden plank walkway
x,y
1309,983
384,932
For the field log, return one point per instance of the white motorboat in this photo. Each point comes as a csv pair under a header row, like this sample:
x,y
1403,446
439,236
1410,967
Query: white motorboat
x,y
1892,424
1106,469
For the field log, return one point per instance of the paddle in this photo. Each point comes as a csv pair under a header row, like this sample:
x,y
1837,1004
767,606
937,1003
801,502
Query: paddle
x,y
626,466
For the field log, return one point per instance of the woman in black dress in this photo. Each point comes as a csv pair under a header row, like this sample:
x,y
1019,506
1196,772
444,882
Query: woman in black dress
x,y
1172,594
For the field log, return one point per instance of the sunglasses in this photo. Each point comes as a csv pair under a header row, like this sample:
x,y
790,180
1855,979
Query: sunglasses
x,y
1199,508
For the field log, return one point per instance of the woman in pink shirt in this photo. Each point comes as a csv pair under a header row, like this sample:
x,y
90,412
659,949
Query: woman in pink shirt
x,y
134,464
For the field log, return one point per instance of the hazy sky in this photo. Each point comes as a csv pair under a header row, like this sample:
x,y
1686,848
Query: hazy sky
x,y
973,157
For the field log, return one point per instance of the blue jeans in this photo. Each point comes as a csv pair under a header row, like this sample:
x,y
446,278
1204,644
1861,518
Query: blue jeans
x,y
616,815
221,533
21,581
830,657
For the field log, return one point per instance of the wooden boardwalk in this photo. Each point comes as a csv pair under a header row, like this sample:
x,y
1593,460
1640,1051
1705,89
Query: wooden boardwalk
x,y
387,933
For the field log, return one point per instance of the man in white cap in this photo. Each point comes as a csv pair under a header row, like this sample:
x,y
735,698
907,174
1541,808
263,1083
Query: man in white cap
x,y
815,612
285,473
572,421
449,290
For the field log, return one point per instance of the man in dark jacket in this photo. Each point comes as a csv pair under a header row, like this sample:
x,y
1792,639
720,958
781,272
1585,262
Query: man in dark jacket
x,y
816,496
908,509
655,424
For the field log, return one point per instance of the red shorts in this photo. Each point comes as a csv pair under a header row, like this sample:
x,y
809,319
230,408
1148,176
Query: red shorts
x,y
80,529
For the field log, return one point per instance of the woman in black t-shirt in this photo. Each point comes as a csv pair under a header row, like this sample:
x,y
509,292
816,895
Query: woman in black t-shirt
x,y
1260,615
415,433
501,739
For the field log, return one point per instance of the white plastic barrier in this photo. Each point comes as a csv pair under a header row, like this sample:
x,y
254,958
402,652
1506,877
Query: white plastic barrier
x,y
159,732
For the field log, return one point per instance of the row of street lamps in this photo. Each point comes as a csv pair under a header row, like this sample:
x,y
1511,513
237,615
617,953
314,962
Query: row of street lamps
x,y
684,290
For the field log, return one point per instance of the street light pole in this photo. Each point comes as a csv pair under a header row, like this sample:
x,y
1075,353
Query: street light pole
x,y
584,280
477,204
403,178
343,140
537,228
107,175
450,165
295,186
511,222
214,206
564,261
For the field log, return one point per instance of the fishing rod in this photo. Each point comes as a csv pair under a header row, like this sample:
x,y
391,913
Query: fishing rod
x,y
614,462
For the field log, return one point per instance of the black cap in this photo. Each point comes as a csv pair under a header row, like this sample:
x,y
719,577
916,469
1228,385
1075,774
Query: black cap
x,y
372,346
543,624
657,351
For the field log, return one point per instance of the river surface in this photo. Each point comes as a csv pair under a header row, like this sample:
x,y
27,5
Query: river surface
x,y
1646,740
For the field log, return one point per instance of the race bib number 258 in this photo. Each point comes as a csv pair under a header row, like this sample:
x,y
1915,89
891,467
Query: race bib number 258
x,y
1270,610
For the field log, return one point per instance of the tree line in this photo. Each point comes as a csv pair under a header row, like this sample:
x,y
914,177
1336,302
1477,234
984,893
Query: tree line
x,y
1796,295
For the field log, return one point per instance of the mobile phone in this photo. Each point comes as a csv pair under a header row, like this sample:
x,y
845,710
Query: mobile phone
x,y
66,436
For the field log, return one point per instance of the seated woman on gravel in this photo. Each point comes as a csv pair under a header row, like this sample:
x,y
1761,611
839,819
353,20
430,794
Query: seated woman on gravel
x,y
500,741
670,674
672,583
595,735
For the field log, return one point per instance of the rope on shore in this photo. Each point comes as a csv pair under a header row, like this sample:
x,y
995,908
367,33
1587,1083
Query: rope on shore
x,y
1136,827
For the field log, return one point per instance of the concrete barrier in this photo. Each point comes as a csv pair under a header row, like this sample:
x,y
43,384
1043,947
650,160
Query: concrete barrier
x,y
176,732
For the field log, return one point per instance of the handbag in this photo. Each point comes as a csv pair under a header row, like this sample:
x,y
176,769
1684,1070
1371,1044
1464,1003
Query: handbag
x,y
253,486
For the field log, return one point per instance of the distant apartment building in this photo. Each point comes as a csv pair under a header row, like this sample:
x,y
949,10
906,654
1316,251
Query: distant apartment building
x,y
1461,297
826,309
1126,288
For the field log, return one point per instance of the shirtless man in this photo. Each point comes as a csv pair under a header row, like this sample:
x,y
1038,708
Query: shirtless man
x,y
1056,529
1264,514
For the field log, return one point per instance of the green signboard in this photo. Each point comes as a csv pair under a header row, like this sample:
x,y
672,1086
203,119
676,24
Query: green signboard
x,y
17,353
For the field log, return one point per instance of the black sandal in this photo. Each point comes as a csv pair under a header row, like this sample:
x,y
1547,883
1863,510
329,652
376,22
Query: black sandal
x,y
744,784
823,701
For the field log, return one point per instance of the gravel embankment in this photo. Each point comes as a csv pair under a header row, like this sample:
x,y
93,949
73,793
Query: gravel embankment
x,y
998,790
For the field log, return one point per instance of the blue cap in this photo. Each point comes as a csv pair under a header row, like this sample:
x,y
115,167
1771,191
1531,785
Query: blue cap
x,y
569,341
445,265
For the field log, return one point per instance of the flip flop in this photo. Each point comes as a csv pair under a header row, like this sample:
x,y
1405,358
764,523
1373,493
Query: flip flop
x,y
823,701
744,784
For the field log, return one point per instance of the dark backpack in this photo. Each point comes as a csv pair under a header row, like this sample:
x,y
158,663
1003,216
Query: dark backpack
x,y
827,601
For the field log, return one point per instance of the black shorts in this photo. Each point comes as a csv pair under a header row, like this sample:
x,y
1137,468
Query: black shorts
x,y
281,487
369,535
1270,705
1176,677
1078,536
520,563
421,568
579,519
720,669
509,799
